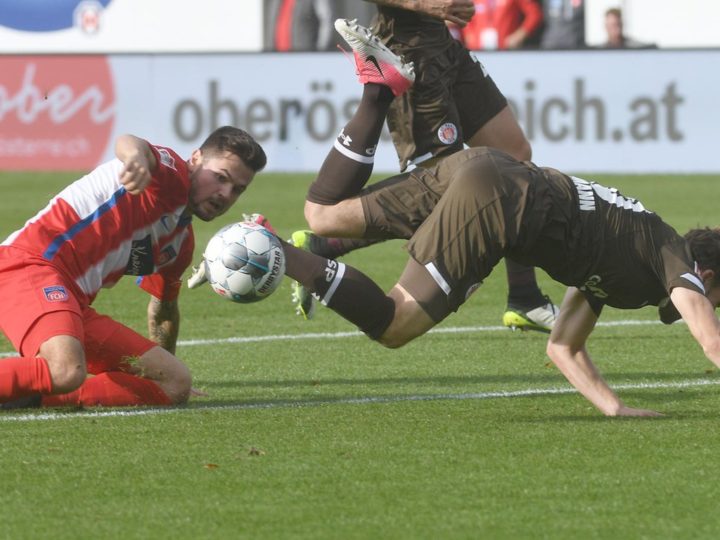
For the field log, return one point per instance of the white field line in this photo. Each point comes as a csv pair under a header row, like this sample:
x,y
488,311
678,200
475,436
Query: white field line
x,y
338,335
25,417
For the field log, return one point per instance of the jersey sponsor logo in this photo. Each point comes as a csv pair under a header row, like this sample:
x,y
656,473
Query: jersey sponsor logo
x,y
166,158
592,286
374,62
140,262
57,112
55,293
51,15
448,133
371,151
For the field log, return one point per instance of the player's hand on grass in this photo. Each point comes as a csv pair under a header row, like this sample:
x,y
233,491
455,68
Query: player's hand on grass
x,y
629,411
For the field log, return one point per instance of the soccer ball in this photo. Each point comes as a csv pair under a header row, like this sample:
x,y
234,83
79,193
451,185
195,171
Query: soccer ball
x,y
244,262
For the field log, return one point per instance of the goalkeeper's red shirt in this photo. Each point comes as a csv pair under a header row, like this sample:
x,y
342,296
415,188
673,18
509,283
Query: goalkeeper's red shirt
x,y
95,232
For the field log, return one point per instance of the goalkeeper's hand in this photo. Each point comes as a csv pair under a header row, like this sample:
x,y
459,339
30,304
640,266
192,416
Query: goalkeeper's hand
x,y
260,220
198,276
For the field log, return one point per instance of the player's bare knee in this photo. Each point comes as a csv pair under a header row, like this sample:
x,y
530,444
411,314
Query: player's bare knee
x,y
320,218
65,358
67,376
394,340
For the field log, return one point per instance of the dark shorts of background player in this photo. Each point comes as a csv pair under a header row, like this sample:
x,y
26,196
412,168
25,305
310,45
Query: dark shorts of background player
x,y
452,98
461,217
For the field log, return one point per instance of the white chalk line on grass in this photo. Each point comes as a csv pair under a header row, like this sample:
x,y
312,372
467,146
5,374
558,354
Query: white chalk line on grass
x,y
339,335
368,400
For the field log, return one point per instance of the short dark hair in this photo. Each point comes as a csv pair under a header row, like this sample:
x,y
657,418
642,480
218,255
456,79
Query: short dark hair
x,y
238,142
615,12
705,248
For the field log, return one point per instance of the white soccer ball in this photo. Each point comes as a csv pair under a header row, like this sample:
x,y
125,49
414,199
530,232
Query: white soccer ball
x,y
244,262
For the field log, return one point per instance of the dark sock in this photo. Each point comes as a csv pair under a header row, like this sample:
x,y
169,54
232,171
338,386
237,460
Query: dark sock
x,y
349,163
523,290
22,376
342,288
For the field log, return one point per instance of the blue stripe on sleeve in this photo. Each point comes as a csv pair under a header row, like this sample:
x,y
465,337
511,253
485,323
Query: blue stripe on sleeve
x,y
59,240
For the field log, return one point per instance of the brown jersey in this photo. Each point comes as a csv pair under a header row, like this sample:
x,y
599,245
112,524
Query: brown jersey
x,y
609,246
480,205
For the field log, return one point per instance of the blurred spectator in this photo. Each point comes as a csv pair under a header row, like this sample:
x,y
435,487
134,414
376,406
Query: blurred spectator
x,y
616,38
300,25
502,24
564,24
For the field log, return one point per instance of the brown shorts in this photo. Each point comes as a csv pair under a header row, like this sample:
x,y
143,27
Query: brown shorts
x,y
478,219
452,98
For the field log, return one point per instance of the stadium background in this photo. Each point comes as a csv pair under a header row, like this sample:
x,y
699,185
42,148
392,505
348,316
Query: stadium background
x,y
309,430
74,74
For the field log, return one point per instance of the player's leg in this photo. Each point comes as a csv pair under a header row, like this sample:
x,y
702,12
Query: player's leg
x,y
349,163
127,368
57,365
342,288
330,209
41,318
451,252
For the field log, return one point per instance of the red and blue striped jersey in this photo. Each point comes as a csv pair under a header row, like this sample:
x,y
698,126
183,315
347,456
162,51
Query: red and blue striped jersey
x,y
96,232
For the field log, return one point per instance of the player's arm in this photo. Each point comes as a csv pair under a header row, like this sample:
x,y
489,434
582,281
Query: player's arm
x,y
566,348
164,322
138,160
698,312
454,11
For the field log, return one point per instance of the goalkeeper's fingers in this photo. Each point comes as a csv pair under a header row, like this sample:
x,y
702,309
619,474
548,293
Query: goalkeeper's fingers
x,y
198,276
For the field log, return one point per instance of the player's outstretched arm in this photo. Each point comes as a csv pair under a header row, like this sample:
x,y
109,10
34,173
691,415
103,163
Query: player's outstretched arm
x,y
138,161
566,348
164,323
698,312
455,11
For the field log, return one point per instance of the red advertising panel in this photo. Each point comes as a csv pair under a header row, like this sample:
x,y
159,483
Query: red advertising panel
x,y
56,112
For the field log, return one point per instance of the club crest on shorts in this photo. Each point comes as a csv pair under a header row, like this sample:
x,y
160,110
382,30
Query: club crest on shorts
x,y
447,133
56,293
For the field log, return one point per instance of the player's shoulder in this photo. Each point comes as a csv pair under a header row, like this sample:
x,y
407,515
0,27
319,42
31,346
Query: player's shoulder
x,y
167,157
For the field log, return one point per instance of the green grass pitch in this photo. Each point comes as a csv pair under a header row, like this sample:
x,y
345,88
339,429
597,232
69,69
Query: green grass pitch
x,y
312,431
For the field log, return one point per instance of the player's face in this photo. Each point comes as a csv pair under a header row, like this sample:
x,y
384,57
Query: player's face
x,y
216,181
